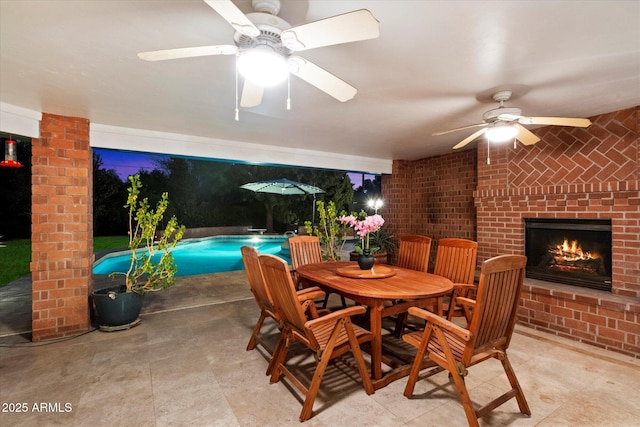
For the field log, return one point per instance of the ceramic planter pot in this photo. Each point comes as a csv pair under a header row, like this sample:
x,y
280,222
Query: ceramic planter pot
x,y
366,261
117,308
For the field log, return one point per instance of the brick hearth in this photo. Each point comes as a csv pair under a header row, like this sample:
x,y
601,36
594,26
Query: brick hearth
x,y
570,173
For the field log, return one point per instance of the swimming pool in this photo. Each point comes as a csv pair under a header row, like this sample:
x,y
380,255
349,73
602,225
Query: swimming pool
x,y
201,256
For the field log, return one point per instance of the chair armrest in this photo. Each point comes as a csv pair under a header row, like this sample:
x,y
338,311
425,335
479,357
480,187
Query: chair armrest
x,y
310,293
466,302
336,315
443,323
464,286
309,289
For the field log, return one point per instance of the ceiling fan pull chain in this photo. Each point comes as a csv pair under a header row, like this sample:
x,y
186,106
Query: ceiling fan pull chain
x,y
237,112
288,91
488,148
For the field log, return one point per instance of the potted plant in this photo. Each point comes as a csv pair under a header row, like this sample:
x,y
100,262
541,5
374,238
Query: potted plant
x,y
152,267
365,226
330,231
378,239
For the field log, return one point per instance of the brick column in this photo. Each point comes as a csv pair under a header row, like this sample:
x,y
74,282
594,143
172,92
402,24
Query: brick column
x,y
61,230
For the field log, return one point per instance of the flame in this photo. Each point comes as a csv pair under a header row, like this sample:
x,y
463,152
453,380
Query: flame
x,y
571,251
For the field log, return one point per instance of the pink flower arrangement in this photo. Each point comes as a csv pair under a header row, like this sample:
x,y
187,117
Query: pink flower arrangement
x,y
363,228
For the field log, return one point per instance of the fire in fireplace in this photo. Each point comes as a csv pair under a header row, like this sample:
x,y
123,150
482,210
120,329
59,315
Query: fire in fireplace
x,y
571,251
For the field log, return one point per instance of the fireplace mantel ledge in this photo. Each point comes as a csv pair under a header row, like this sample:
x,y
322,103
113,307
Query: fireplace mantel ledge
x,y
586,295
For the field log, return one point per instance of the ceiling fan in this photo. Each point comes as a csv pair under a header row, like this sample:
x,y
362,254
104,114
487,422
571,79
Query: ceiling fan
x,y
263,43
505,123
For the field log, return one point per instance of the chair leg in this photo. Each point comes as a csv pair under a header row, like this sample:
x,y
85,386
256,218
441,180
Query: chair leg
x,y
415,369
400,324
312,391
458,380
275,355
256,331
278,358
357,354
307,407
515,385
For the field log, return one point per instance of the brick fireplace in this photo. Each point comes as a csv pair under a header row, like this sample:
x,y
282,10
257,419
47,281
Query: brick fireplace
x,y
571,173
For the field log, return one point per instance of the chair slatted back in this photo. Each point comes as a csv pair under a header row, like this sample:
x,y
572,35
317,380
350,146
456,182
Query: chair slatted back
x,y
254,275
495,312
281,288
304,250
414,251
456,260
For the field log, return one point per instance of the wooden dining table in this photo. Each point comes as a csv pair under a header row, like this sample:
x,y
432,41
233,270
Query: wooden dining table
x,y
375,289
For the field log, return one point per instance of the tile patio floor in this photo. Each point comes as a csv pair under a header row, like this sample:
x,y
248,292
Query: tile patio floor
x,y
186,364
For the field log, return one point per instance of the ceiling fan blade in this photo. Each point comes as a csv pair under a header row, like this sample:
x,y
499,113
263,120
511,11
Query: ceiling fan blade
x,y
349,27
320,78
525,135
187,52
556,121
234,17
457,129
469,138
251,94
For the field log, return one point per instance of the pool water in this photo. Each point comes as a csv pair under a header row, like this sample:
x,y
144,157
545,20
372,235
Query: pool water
x,y
202,256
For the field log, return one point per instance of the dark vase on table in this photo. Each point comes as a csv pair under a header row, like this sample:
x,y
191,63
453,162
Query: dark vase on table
x,y
366,260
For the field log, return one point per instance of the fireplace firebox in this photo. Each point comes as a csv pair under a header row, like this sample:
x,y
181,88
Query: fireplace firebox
x,y
570,251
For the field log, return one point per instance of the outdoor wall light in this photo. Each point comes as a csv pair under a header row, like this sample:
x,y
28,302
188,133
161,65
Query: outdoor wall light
x,y
375,204
10,155
263,66
501,132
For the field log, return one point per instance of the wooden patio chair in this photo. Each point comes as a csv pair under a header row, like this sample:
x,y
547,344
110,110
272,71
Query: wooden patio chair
x,y
303,250
328,337
306,250
493,317
413,253
263,298
456,260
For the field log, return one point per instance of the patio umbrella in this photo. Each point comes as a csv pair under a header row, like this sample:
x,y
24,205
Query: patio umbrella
x,y
285,187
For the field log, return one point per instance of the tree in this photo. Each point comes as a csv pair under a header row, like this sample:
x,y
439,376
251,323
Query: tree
x,y
109,195
206,193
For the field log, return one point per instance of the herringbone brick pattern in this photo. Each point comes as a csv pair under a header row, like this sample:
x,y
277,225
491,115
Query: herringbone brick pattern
x,y
607,151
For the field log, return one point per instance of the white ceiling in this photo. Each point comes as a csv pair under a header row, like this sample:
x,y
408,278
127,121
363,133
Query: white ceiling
x,y
433,68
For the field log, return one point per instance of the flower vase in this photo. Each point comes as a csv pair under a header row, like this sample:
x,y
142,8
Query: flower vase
x,y
366,261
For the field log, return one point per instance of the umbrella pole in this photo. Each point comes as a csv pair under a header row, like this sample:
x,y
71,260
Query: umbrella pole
x,y
313,210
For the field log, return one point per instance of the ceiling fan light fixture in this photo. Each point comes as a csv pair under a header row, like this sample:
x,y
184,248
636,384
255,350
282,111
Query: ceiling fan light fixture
x,y
501,132
263,67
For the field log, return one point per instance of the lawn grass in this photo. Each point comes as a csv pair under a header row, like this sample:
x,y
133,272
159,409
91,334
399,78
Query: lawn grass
x,y
110,242
16,255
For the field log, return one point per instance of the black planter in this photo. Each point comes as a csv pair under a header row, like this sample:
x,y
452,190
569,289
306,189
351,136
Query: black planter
x,y
116,308
366,261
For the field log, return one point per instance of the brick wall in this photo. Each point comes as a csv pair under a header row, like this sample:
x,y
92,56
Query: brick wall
x,y
61,231
433,196
570,173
